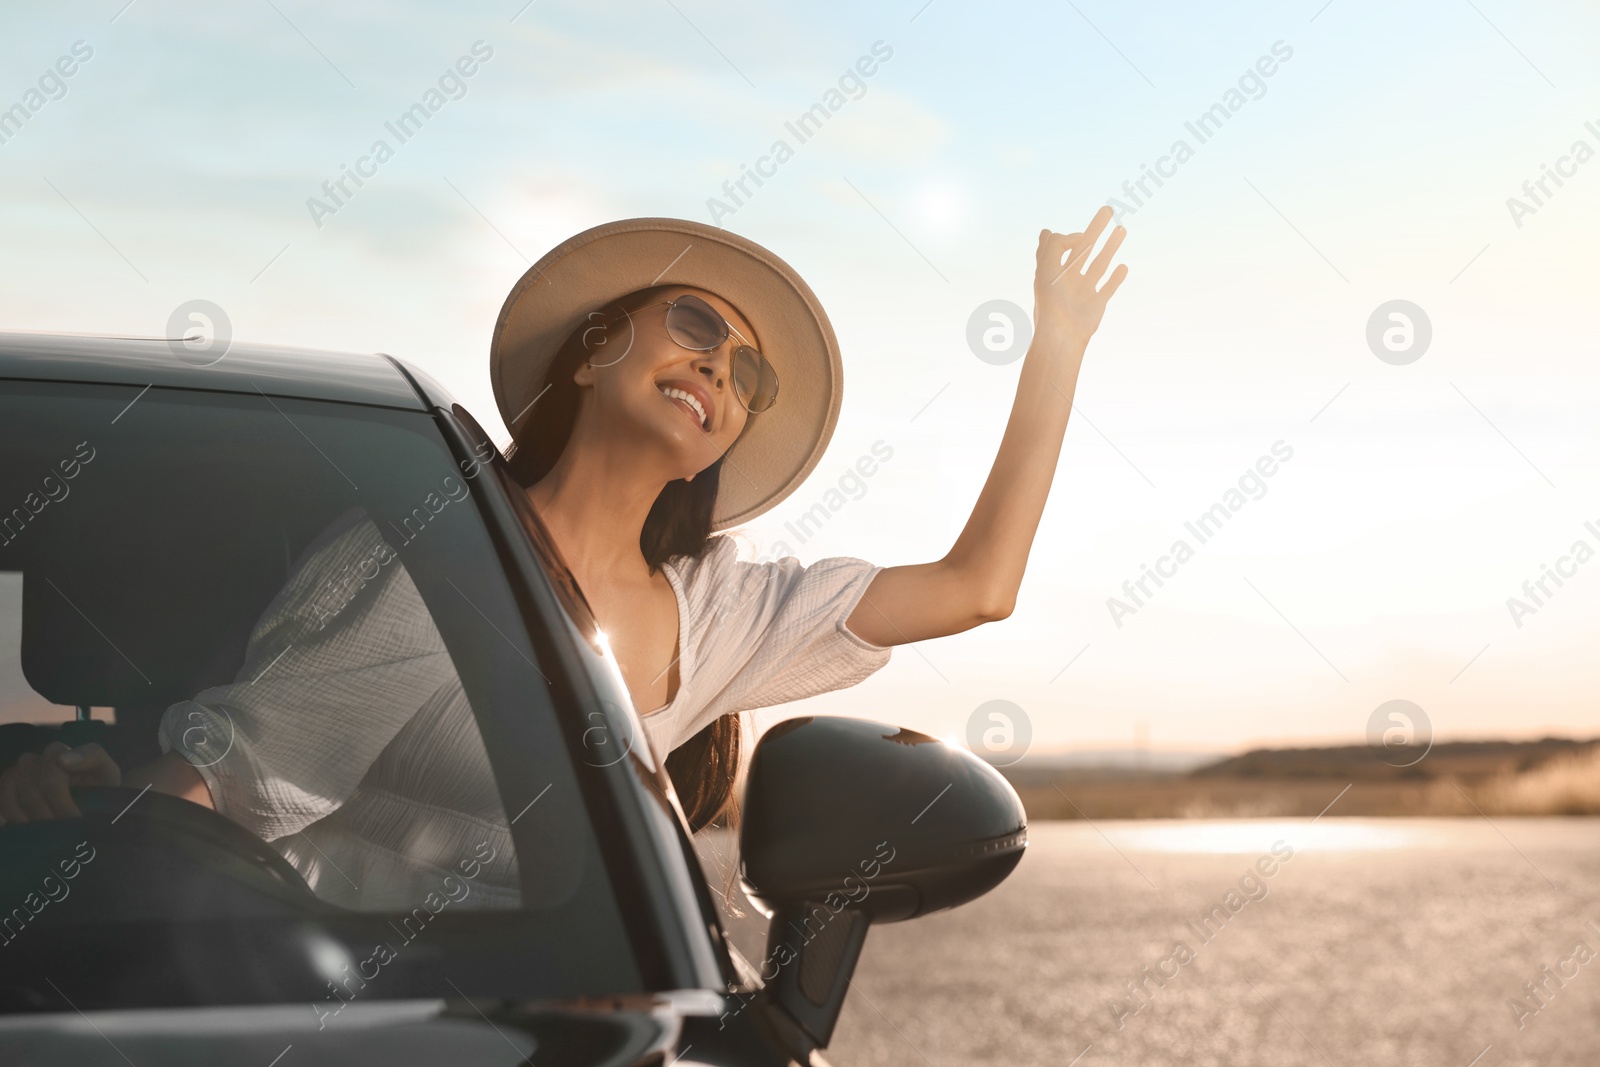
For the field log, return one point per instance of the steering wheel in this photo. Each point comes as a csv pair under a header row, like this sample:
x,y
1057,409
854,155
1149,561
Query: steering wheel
x,y
212,839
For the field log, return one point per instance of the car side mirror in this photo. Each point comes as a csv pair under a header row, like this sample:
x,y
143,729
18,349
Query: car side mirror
x,y
848,822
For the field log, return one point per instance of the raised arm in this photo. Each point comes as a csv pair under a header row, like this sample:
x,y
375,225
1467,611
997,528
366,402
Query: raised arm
x,y
978,579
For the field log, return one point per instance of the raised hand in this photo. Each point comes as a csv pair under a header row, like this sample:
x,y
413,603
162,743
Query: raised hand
x,y
1068,299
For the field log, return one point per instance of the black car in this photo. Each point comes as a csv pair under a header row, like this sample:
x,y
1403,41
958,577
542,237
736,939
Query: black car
x,y
152,510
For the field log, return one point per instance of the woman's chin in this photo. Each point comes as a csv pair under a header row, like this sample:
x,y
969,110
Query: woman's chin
x,y
688,439
686,457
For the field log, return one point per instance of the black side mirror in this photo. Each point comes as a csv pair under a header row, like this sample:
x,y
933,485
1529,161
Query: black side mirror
x,y
847,823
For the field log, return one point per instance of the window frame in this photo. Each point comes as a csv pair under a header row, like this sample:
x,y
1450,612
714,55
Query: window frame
x,y
664,899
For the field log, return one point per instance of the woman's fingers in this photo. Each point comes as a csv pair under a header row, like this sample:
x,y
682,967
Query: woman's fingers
x,y
1110,287
29,799
1068,251
1053,246
1062,246
1078,252
39,785
1083,243
54,782
1103,260
90,765
1097,226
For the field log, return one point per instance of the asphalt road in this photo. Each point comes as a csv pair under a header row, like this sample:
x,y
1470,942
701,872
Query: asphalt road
x,y
1372,941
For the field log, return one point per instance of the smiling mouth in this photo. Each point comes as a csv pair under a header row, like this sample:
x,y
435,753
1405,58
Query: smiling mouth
x,y
689,404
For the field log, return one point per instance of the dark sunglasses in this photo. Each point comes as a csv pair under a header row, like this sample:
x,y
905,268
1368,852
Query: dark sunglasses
x,y
694,324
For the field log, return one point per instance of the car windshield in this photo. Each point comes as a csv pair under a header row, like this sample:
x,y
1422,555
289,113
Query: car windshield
x,y
298,600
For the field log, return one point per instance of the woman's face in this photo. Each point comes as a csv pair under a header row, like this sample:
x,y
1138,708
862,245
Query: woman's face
x,y
636,364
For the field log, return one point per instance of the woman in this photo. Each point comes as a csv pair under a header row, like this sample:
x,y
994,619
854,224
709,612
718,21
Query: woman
x,y
661,419
663,380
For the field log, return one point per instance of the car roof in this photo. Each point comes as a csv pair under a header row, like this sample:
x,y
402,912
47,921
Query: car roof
x,y
359,378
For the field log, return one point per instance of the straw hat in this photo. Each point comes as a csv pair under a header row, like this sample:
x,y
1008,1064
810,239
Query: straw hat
x,y
780,446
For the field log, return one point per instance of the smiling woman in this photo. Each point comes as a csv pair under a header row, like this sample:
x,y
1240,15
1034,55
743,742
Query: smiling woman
x,y
637,365
600,348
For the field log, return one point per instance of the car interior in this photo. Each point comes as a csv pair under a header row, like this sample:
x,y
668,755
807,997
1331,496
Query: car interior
x,y
140,585
142,536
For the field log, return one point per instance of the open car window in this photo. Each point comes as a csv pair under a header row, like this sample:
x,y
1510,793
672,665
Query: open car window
x,y
299,599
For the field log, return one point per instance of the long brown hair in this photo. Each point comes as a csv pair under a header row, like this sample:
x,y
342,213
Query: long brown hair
x,y
704,767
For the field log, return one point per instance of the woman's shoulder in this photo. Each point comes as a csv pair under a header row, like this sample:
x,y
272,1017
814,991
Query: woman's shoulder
x,y
343,569
711,567
721,573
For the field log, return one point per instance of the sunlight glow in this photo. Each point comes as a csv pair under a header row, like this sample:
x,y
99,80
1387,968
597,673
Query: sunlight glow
x,y
939,207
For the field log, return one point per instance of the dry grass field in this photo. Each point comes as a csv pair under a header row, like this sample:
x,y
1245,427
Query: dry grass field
x,y
1461,779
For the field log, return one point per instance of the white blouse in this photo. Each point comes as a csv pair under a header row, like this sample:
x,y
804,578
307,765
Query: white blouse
x,y
753,635
347,743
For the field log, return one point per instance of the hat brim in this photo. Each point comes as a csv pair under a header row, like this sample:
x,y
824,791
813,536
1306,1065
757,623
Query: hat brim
x,y
779,447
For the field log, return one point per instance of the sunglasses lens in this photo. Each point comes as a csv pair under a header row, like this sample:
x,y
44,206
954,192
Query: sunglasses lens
x,y
693,324
754,381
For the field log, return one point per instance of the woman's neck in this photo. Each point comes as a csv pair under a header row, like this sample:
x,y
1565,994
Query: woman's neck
x,y
595,501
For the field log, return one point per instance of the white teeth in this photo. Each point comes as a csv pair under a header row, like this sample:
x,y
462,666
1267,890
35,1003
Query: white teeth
x,y
688,398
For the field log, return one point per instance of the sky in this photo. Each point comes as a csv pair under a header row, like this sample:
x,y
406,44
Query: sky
x,y
1411,495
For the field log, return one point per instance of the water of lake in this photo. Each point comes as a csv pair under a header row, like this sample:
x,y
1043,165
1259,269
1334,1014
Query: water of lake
x,y
1371,941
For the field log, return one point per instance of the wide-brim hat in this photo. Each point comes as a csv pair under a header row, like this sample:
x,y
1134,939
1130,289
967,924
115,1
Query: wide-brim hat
x,y
779,447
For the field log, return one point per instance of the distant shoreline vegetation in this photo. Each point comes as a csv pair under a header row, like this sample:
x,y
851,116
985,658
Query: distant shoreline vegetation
x,y
1547,777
